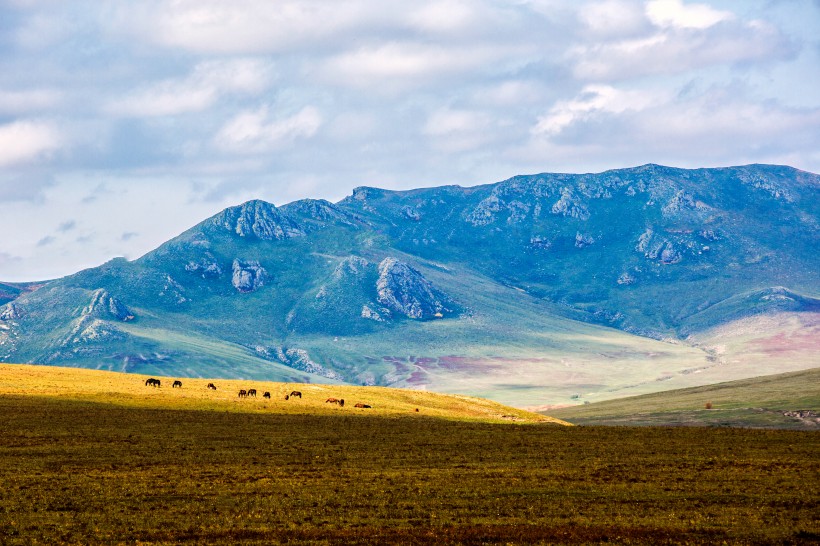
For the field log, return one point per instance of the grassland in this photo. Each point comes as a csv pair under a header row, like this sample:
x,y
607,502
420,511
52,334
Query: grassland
x,y
758,402
108,467
129,390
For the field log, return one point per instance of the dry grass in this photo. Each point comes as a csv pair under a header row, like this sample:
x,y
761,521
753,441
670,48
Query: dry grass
x,y
129,390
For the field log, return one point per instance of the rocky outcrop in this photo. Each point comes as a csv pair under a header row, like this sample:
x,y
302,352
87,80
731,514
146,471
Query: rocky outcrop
x,y
247,275
173,290
350,266
207,267
411,213
11,312
540,243
666,249
405,291
323,212
583,240
370,314
298,359
257,219
570,205
105,306
681,201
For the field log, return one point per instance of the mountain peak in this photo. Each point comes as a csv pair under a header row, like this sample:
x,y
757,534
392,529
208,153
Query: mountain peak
x,y
257,219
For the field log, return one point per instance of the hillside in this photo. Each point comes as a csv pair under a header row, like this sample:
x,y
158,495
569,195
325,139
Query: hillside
x,y
130,390
790,400
540,289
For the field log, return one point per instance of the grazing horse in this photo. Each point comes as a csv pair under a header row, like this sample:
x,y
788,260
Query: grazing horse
x,y
251,392
243,393
266,395
340,401
211,386
176,384
360,405
152,382
296,394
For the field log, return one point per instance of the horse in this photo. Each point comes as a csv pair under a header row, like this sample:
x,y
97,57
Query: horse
x,y
360,405
211,386
176,384
266,395
297,394
152,382
251,392
340,401
243,393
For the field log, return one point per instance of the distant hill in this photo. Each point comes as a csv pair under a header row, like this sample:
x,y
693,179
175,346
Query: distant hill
x,y
790,400
541,289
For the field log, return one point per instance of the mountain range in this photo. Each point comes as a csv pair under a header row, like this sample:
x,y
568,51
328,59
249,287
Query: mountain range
x,y
540,290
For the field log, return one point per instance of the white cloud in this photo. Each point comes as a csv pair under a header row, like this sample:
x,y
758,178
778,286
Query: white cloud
x,y
459,130
613,18
31,100
26,141
196,92
719,125
679,50
244,26
512,93
255,131
674,13
591,102
399,65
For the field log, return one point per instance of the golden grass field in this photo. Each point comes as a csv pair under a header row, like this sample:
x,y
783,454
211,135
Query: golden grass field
x,y
130,390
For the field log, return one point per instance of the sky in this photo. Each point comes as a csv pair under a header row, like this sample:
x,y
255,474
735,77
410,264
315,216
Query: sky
x,y
124,123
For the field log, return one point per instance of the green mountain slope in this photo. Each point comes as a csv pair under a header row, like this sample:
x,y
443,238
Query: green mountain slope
x,y
536,290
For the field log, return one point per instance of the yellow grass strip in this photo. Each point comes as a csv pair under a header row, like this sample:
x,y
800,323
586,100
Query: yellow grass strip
x,y
130,390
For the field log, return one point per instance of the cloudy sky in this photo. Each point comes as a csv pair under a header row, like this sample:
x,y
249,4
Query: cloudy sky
x,y
124,123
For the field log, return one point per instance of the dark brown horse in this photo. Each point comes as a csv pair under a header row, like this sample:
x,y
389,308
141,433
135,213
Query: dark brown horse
x,y
176,384
266,395
211,386
152,382
360,405
296,394
243,393
251,392
340,401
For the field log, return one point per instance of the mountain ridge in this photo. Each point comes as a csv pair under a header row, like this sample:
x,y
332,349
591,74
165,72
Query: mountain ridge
x,y
450,287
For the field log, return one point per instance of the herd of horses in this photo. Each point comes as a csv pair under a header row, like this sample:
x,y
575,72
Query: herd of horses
x,y
245,393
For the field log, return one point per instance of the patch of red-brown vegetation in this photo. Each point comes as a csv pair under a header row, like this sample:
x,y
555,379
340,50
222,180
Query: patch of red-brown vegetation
x,y
783,343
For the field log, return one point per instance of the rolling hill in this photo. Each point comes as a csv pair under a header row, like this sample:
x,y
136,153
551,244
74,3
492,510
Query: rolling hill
x,y
541,289
789,400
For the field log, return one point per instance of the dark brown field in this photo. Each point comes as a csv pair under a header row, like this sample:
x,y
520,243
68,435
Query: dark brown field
x,y
89,473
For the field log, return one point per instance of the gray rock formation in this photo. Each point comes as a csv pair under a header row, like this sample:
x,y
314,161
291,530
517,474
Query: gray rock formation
x,y
105,306
247,276
570,205
316,209
405,291
11,312
299,359
583,240
258,219
207,267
